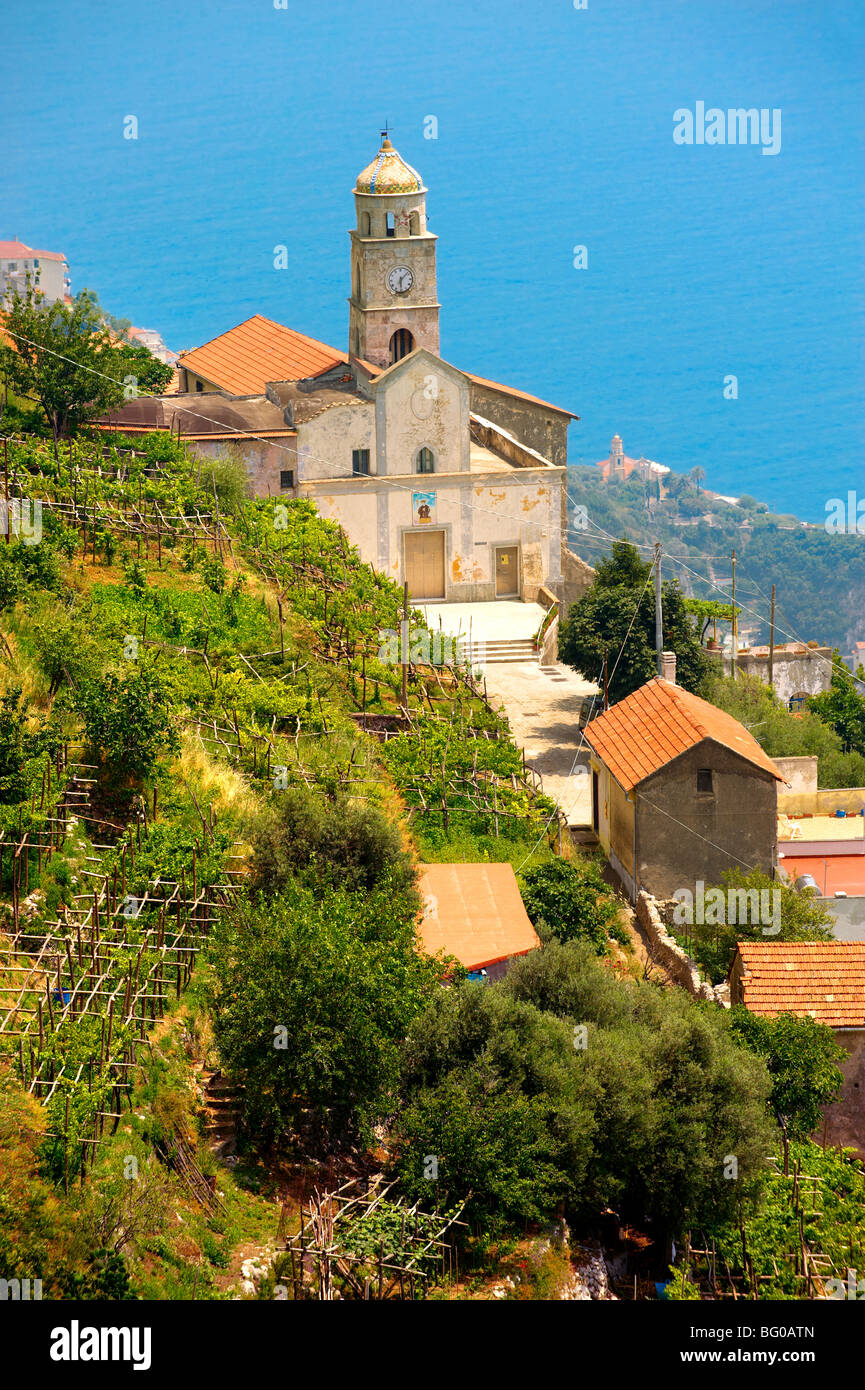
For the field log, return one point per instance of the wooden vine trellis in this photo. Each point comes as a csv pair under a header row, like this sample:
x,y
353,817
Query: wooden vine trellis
x,y
326,1258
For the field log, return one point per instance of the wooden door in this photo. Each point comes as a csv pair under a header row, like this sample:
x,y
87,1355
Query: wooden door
x,y
507,571
425,564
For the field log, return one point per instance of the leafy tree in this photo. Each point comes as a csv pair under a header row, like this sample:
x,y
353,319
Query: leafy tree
x,y
61,355
784,734
151,375
13,751
616,616
563,1084
314,992
495,1094
128,719
571,898
350,843
842,707
707,610
674,1093
803,1060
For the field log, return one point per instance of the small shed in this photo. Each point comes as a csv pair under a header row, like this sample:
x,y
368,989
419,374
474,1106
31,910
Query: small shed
x,y
475,912
681,791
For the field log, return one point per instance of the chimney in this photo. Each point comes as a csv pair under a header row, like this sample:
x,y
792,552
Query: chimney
x,y
668,667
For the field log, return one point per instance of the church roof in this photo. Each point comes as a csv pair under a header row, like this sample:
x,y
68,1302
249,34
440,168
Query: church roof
x,y
243,360
388,173
521,395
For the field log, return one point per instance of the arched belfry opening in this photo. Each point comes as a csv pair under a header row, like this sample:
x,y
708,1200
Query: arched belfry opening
x,y
401,344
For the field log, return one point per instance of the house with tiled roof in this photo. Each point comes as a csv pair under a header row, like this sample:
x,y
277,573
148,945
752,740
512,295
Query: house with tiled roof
x,y
681,791
823,980
444,479
47,271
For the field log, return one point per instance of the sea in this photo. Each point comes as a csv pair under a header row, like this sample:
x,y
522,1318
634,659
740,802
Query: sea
x,y
703,300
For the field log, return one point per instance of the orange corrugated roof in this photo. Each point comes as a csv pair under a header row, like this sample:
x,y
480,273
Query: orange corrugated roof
x,y
659,722
823,979
257,351
474,912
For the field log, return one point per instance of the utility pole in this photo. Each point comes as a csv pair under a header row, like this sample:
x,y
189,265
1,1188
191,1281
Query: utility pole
x,y
404,646
606,692
735,624
772,644
659,613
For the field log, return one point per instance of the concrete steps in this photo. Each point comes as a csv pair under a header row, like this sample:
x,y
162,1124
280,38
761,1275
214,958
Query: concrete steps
x,y
502,649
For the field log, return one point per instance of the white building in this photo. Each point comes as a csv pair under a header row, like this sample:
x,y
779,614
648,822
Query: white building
x,y
47,271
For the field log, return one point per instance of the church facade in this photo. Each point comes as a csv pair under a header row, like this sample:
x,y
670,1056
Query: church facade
x,y
445,480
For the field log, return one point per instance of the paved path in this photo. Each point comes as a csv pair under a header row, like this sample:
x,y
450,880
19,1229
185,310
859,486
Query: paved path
x,y
542,704
507,619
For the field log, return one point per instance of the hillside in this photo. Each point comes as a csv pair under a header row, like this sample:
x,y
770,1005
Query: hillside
x,y
819,576
214,796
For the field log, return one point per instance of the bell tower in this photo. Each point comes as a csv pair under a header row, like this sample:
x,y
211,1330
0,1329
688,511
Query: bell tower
x,y
393,306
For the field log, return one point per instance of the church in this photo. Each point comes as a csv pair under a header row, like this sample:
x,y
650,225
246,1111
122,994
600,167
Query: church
x,y
445,480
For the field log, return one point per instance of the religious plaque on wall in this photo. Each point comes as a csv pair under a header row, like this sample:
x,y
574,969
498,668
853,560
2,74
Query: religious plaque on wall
x,y
423,508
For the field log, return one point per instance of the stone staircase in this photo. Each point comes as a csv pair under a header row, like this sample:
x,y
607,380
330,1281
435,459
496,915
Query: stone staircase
x,y
221,1102
501,649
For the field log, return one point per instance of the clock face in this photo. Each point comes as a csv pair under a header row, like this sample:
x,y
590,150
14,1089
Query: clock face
x,y
400,279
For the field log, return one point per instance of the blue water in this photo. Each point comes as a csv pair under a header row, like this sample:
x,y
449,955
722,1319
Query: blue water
x,y
554,129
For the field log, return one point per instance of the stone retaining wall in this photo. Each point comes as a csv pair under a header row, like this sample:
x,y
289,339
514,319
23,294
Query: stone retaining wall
x,y
673,957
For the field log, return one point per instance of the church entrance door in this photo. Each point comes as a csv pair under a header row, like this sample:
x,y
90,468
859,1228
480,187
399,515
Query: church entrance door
x,y
425,564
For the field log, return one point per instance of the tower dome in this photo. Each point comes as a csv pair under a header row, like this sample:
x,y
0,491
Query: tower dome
x,y
388,173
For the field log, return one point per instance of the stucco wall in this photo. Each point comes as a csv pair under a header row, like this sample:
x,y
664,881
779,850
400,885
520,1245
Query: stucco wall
x,y
325,443
534,425
849,919
682,835
845,1120
621,814
577,577
422,404
264,459
800,772
476,513
806,672
824,802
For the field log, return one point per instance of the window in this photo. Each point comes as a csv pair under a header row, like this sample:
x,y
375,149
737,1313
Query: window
x,y
286,478
414,224
401,345
704,780
360,462
390,227
199,385
364,224
426,461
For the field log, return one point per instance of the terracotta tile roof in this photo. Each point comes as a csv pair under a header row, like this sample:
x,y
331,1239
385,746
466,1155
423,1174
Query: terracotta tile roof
x,y
523,395
243,360
825,979
474,912
659,722
17,251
